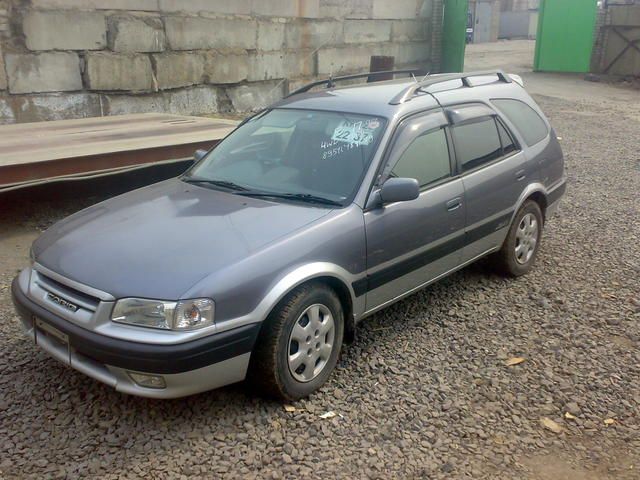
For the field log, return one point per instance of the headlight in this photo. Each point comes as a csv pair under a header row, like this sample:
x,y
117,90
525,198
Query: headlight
x,y
182,315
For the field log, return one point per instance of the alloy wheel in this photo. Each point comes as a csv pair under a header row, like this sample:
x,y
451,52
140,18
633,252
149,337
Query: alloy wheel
x,y
311,343
526,238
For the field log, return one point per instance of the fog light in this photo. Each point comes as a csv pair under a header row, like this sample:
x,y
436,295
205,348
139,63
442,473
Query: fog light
x,y
147,381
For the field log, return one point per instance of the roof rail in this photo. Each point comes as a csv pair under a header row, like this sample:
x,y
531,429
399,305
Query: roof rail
x,y
331,81
409,92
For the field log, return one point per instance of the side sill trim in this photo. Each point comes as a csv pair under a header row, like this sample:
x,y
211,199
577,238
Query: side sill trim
x,y
389,274
427,283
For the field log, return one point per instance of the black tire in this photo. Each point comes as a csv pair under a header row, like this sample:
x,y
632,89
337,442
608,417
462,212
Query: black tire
x,y
505,259
269,370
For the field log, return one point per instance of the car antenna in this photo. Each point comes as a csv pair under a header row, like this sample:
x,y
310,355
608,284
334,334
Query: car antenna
x,y
414,77
428,73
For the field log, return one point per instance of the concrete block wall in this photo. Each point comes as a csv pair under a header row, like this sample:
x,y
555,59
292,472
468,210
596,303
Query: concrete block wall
x,y
82,58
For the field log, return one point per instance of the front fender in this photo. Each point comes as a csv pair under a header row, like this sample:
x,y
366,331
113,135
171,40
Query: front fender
x,y
289,282
246,291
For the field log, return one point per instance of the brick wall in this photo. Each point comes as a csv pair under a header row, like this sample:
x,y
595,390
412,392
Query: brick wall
x,y
80,58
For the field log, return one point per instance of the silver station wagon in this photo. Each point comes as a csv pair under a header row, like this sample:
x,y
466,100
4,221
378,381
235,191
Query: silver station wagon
x,y
259,262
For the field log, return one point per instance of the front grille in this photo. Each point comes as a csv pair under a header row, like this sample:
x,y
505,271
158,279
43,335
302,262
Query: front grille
x,y
83,300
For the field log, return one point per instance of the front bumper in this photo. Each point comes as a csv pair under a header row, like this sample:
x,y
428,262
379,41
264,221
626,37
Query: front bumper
x,y
187,368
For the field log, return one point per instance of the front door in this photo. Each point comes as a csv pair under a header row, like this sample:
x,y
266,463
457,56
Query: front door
x,y
411,243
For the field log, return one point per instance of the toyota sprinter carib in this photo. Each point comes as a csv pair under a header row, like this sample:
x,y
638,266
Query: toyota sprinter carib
x,y
320,210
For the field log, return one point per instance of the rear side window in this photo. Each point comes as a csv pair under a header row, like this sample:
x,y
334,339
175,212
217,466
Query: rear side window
x,y
476,143
426,159
525,118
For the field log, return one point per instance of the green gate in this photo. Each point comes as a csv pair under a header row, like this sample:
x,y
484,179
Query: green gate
x,y
565,35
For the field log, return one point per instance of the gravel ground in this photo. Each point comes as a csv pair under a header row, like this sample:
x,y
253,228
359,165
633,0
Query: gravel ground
x,y
424,392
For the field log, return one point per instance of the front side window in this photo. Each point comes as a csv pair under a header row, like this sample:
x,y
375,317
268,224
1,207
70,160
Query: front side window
x,y
295,152
476,142
426,159
526,120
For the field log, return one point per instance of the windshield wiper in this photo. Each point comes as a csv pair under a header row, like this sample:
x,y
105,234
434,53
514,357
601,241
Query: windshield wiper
x,y
303,197
217,183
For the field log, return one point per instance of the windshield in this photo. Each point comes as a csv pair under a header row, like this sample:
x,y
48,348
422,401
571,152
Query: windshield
x,y
296,153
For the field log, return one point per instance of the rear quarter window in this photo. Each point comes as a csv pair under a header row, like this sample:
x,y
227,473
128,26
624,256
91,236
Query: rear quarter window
x,y
530,125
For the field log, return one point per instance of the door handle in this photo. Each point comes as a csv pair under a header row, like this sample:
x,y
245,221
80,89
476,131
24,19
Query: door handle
x,y
454,204
520,175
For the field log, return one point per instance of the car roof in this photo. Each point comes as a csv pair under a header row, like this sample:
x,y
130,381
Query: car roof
x,y
377,98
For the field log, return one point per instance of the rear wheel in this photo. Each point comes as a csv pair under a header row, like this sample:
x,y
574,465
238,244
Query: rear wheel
x,y
299,343
520,248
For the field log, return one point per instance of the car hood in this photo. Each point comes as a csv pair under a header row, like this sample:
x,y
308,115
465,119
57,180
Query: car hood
x,y
159,241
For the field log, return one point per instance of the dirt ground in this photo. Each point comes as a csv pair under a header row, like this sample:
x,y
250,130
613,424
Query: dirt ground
x,y
425,391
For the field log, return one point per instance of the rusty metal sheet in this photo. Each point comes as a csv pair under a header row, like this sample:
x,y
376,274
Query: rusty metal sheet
x,y
45,150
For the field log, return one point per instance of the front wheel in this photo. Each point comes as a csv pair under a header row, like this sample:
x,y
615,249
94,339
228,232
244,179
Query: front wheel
x,y
520,248
299,343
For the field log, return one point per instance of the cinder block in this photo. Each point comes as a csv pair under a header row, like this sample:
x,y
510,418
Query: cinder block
x,y
396,9
175,70
231,67
56,106
202,100
271,65
247,98
367,31
415,53
346,9
271,35
122,104
314,33
135,34
410,30
144,5
65,30
119,71
6,112
193,33
237,7
286,8
43,72
346,59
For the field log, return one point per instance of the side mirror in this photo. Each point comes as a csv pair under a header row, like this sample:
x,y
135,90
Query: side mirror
x,y
399,190
199,155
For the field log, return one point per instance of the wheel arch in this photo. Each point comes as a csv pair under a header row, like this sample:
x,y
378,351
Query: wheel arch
x,y
541,199
536,192
338,279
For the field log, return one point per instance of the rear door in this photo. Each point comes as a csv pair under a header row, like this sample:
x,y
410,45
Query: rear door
x,y
493,171
411,243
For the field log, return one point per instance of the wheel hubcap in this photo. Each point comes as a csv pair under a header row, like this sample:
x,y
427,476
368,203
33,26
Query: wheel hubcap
x,y
311,343
526,238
